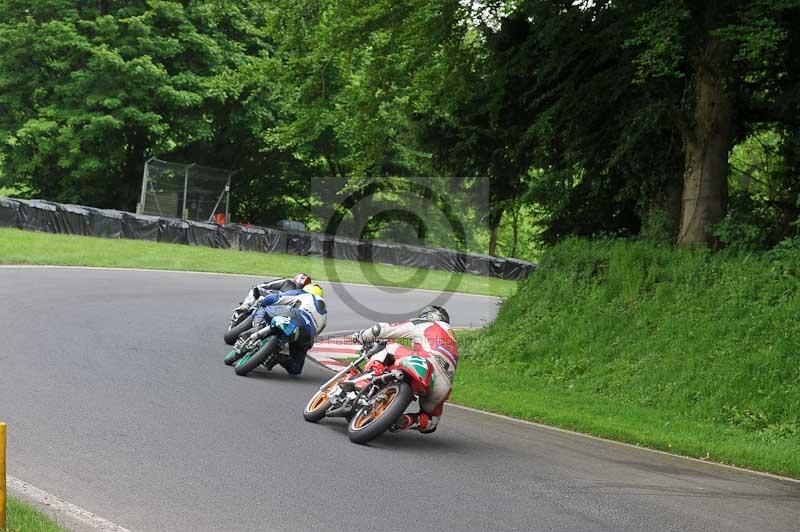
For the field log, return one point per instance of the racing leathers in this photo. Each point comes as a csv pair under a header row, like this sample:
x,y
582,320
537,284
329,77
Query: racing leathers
x,y
307,312
432,340
313,305
278,285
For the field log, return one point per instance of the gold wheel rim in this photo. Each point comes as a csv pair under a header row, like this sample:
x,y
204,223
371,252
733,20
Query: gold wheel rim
x,y
322,395
318,400
378,408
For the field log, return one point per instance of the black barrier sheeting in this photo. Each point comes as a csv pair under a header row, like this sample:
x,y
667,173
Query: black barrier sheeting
x,y
233,235
415,256
321,246
74,219
477,264
345,248
295,244
206,234
141,226
384,252
496,266
307,244
105,223
9,212
275,241
36,215
243,238
173,231
516,270
449,260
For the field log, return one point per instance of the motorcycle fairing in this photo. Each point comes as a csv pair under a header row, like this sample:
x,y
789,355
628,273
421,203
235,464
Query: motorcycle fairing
x,y
419,371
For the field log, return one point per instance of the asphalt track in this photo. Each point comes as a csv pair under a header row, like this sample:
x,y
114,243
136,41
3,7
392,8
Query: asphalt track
x,y
117,400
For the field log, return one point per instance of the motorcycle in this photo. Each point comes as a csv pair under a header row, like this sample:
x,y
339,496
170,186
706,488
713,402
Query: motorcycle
x,y
242,319
371,403
249,353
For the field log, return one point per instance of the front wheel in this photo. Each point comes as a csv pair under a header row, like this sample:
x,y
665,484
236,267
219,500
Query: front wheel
x,y
380,413
232,357
234,332
320,402
255,358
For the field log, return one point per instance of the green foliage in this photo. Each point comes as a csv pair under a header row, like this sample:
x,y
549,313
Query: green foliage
x,y
661,36
748,226
22,517
89,91
706,335
688,351
576,114
658,227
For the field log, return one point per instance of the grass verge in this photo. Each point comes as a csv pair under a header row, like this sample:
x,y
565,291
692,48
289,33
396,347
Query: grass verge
x,y
27,247
502,391
688,352
21,517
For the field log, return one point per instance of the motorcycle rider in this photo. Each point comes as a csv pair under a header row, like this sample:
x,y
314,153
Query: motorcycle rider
x,y
298,315
311,299
298,282
432,338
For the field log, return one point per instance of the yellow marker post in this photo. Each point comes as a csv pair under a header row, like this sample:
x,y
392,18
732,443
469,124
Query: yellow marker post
x,y
2,475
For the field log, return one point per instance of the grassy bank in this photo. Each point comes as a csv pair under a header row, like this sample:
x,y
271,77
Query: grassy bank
x,y
689,352
21,517
27,247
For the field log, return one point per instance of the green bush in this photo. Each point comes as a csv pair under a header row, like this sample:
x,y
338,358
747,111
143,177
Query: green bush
x,y
749,225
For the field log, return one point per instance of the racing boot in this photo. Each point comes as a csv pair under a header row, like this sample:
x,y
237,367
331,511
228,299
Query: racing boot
x,y
420,421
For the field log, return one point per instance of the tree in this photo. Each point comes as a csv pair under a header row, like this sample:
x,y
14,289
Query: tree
x,y
720,68
89,90
625,105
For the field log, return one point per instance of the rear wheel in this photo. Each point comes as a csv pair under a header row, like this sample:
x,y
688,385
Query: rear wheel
x,y
253,359
234,332
320,402
380,413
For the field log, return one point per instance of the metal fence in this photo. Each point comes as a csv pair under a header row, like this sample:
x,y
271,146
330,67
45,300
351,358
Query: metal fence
x,y
187,191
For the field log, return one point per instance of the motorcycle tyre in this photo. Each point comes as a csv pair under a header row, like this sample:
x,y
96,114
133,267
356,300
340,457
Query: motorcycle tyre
x,y
261,356
234,332
231,358
383,422
318,413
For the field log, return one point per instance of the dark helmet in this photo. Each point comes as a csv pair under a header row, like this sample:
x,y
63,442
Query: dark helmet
x,y
434,313
301,279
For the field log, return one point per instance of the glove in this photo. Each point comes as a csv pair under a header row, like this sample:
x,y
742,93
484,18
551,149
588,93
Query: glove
x,y
375,366
357,339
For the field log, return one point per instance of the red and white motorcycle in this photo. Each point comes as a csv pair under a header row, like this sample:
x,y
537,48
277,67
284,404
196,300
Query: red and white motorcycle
x,y
371,402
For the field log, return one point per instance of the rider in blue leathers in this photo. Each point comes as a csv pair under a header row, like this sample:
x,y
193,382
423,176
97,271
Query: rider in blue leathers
x,y
307,316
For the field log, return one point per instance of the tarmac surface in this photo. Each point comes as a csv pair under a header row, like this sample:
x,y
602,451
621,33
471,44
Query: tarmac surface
x,y
116,399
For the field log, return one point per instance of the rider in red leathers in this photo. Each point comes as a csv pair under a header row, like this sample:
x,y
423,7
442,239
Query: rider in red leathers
x,y
432,338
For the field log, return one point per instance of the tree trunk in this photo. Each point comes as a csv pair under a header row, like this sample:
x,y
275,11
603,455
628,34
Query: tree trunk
x,y
494,227
707,142
515,227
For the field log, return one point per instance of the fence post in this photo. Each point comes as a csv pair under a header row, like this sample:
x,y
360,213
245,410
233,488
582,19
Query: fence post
x,y
228,197
140,205
2,475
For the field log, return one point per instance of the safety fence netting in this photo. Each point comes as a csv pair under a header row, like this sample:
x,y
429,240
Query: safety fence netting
x,y
50,217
